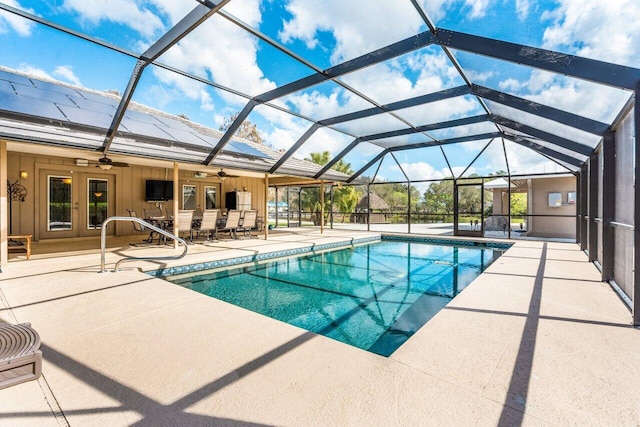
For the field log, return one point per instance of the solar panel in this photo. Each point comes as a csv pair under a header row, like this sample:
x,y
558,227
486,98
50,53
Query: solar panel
x,y
211,140
144,129
185,137
5,86
142,117
87,118
15,78
90,105
43,95
174,123
52,87
99,98
245,149
11,102
155,151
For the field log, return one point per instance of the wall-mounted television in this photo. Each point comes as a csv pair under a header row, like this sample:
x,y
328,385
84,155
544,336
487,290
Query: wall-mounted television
x,y
158,190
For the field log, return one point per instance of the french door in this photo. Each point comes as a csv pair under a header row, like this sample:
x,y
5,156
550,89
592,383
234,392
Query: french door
x,y
75,204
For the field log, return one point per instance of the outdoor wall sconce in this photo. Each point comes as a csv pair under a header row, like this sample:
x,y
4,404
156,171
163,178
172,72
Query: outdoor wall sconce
x,y
24,174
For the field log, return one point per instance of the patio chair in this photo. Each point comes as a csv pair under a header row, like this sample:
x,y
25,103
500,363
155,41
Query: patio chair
x,y
249,223
185,218
141,229
233,221
20,357
208,225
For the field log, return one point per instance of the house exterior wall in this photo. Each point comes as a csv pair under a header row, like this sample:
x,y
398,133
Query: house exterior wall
x,y
539,204
498,207
129,188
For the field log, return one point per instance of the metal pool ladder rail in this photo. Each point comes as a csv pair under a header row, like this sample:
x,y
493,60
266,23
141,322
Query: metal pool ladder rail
x,y
103,242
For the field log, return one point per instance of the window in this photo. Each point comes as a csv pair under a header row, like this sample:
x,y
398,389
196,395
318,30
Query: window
x,y
97,209
210,197
189,197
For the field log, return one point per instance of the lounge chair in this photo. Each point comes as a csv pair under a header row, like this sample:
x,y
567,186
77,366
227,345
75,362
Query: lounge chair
x,y
248,223
208,225
20,357
233,220
185,218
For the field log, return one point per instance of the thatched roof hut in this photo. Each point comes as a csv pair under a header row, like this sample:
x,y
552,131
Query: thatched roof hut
x,y
377,203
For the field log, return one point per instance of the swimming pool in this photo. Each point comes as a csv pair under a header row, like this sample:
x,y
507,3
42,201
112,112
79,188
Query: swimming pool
x,y
373,296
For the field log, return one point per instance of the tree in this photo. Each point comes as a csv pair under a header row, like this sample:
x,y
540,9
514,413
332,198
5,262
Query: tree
x,y
345,198
247,130
518,204
438,198
319,158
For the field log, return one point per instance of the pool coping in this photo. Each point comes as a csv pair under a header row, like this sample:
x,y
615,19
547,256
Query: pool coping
x,y
263,256
315,248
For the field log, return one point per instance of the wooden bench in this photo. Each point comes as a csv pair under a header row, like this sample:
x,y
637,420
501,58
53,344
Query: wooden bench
x,y
20,357
26,238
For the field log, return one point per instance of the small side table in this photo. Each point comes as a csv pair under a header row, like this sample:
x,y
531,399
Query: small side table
x,y
26,238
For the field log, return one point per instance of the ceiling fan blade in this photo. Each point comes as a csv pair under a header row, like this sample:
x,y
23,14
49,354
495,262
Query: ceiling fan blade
x,y
222,174
120,164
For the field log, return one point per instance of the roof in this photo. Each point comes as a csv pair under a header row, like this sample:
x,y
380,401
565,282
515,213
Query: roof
x,y
454,86
74,116
497,183
377,203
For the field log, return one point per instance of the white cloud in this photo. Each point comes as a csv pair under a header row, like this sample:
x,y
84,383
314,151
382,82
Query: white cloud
x,y
9,21
522,9
437,9
596,29
593,29
478,8
422,171
124,12
36,72
522,158
457,170
353,36
66,73
512,85
477,76
324,140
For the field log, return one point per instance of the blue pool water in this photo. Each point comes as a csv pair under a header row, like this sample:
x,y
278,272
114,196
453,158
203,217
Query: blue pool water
x,y
373,296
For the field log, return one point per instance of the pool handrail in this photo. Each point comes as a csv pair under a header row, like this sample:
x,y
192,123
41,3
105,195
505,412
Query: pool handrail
x,y
103,242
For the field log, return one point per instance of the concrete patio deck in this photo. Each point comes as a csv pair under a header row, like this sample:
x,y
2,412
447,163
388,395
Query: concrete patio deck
x,y
535,340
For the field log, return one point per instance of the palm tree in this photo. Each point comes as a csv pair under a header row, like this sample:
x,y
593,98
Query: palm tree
x,y
319,158
345,198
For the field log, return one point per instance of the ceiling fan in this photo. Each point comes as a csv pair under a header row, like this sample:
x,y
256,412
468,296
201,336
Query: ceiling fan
x,y
106,163
222,174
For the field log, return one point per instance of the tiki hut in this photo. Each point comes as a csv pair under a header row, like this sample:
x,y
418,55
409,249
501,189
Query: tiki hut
x,y
378,210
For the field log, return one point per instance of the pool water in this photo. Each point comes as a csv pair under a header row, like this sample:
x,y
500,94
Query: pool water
x,y
373,297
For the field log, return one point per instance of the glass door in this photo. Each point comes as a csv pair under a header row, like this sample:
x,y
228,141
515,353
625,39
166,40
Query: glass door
x,y
98,206
75,204
61,206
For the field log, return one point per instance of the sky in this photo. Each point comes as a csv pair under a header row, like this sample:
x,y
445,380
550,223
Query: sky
x,y
325,34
